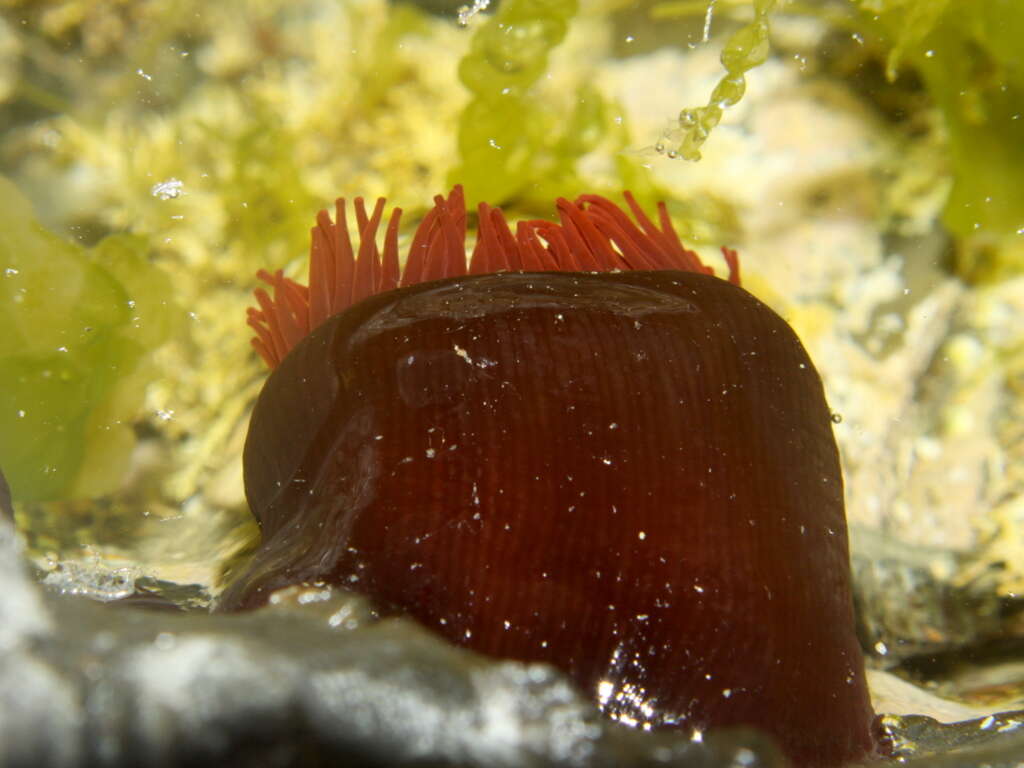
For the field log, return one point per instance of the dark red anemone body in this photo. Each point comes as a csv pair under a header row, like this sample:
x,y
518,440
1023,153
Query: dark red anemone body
x,y
630,475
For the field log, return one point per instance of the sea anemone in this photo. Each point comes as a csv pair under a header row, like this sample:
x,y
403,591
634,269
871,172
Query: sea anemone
x,y
583,449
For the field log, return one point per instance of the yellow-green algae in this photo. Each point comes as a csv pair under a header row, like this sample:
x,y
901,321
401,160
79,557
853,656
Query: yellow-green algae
x,y
77,331
745,49
968,55
967,52
510,141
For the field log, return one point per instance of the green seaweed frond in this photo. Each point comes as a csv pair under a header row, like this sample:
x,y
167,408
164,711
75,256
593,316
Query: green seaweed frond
x,y
77,331
968,55
747,48
509,140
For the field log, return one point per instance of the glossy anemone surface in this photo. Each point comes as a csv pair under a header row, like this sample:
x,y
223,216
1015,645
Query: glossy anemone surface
x,y
628,475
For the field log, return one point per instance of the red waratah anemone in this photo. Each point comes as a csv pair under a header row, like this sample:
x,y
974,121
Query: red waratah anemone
x,y
582,449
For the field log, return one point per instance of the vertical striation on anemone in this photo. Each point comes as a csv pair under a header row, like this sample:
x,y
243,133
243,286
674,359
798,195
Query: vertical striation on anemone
x,y
581,448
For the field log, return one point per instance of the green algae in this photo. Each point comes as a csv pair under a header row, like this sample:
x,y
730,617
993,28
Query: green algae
x,y
511,143
745,49
77,330
968,56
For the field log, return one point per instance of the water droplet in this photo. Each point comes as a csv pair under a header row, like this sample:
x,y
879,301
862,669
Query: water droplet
x,y
467,12
168,190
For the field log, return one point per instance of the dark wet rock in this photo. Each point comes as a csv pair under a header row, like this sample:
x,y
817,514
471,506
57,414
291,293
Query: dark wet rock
x,y
910,601
147,599
994,741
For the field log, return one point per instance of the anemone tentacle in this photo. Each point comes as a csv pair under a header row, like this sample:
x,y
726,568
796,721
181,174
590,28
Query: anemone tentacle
x,y
593,234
